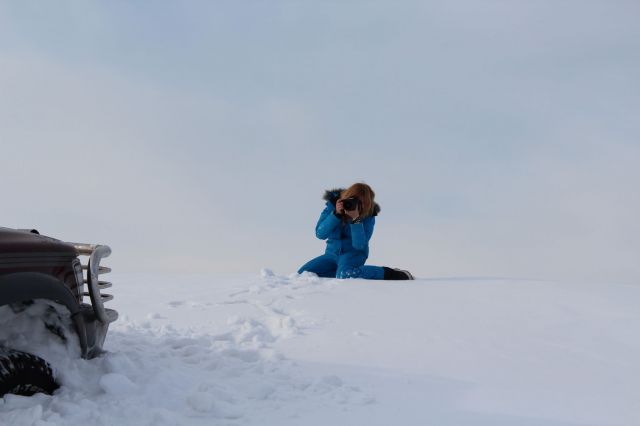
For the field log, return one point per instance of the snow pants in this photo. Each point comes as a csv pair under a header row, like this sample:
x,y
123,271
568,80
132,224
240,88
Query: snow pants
x,y
345,265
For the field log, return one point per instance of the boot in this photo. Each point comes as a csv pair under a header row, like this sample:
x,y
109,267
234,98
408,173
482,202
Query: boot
x,y
396,274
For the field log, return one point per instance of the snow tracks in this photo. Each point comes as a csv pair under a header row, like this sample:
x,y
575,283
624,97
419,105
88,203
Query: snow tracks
x,y
206,359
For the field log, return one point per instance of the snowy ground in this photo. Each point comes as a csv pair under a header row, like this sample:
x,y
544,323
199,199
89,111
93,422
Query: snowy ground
x,y
299,350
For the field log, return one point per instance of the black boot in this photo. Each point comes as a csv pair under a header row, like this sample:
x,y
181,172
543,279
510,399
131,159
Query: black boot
x,y
396,274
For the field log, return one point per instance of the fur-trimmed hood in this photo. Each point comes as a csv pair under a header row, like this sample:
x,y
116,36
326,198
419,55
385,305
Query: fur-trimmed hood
x,y
333,195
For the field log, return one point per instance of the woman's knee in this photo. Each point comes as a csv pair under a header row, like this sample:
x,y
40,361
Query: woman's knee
x,y
322,266
309,267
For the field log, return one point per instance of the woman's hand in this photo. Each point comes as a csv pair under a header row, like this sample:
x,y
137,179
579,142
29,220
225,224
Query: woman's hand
x,y
353,214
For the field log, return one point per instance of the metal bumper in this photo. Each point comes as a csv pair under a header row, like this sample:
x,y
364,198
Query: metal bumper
x,y
94,286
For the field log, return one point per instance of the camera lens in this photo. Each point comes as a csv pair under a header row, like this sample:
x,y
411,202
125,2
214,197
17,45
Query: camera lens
x,y
350,204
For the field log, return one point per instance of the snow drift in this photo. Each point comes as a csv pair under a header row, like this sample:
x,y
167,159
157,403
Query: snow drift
x,y
300,350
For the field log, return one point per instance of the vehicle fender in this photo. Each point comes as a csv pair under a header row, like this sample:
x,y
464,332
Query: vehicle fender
x,y
22,286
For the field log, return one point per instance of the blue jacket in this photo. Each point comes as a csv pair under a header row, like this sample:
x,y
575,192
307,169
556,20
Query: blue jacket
x,y
343,237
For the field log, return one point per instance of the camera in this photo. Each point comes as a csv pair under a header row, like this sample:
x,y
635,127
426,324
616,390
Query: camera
x,y
351,204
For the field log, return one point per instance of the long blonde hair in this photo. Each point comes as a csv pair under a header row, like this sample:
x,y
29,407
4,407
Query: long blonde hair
x,y
365,194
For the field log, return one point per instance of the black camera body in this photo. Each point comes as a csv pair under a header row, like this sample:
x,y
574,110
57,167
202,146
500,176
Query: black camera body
x,y
352,203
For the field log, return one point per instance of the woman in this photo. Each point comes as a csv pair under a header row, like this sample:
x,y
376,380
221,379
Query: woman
x,y
347,224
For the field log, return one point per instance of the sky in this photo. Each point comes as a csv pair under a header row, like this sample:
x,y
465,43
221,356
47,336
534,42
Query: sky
x,y
501,137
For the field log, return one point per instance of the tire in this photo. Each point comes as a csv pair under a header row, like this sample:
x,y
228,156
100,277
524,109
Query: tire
x,y
25,374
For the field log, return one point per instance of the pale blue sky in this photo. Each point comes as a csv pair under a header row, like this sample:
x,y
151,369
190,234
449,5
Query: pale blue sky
x,y
502,137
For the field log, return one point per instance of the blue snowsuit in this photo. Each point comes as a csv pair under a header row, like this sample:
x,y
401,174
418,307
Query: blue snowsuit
x,y
347,245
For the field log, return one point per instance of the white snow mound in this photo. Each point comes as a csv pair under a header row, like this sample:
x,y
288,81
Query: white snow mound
x,y
301,350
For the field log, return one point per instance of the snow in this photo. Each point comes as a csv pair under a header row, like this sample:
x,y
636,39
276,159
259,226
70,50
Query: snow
x,y
300,350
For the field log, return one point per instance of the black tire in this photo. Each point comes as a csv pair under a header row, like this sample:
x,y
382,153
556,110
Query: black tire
x,y
25,374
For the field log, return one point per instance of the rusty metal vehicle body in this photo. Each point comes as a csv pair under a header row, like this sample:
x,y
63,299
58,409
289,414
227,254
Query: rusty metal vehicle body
x,y
36,267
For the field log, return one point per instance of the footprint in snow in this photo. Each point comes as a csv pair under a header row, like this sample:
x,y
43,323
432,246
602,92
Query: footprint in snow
x,y
155,316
